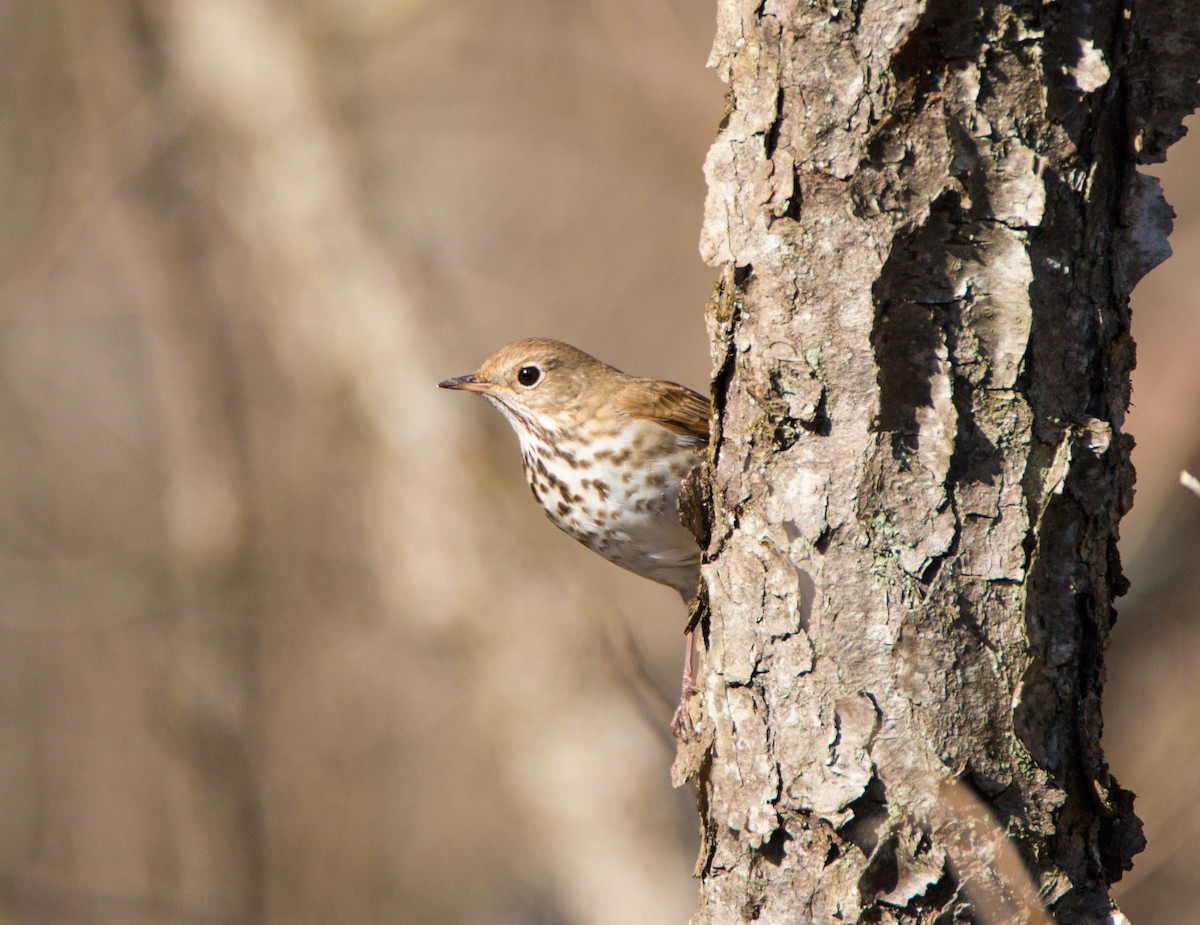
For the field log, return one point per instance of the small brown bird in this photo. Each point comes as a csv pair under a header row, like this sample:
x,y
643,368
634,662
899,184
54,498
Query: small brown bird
x,y
605,454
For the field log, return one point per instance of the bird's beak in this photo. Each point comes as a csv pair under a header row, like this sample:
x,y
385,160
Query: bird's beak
x,y
468,383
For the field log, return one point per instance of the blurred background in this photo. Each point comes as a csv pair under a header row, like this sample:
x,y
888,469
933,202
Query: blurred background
x,y
283,639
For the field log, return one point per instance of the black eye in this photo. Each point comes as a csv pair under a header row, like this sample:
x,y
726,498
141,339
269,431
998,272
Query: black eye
x,y
529,376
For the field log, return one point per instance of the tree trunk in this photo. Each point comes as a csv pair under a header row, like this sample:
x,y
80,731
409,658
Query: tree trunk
x,y
928,220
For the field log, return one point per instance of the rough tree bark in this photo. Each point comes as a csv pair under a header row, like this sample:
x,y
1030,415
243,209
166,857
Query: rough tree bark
x,y
928,220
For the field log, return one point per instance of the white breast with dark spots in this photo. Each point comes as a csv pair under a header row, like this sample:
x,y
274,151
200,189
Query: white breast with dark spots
x,y
617,495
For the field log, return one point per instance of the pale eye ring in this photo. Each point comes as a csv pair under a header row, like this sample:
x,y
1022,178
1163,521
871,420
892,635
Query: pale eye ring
x,y
529,376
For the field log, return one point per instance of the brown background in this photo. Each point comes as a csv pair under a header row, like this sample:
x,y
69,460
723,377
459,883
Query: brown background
x,y
282,636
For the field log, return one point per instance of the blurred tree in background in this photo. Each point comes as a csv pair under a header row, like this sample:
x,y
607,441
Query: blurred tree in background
x,y
283,638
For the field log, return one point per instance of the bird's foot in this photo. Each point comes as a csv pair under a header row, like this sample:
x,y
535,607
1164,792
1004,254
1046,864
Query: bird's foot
x,y
681,722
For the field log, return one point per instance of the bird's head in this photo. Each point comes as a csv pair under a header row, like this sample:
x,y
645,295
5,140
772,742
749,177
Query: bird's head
x,y
539,380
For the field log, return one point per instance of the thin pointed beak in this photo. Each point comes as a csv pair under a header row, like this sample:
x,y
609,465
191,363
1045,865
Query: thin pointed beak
x,y
468,383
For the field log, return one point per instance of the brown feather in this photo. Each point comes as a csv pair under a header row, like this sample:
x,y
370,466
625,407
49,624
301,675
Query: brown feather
x,y
669,404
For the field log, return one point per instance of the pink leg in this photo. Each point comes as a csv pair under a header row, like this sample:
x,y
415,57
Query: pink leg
x,y
681,722
689,680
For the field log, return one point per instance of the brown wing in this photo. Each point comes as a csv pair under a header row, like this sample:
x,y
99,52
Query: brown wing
x,y
675,407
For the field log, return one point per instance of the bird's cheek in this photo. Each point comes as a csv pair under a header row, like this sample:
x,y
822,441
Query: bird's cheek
x,y
570,392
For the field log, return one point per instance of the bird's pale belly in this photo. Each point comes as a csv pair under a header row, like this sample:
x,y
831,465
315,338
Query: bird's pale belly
x,y
626,513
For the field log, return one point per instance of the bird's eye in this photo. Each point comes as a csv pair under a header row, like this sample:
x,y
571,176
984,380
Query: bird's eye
x,y
529,376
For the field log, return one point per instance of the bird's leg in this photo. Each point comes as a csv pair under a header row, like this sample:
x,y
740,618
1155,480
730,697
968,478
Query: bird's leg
x,y
681,722
689,680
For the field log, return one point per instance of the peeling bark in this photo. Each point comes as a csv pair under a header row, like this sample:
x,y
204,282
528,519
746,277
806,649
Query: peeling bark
x,y
928,220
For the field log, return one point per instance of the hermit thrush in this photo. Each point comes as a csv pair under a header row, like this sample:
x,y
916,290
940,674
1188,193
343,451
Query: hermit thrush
x,y
605,454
